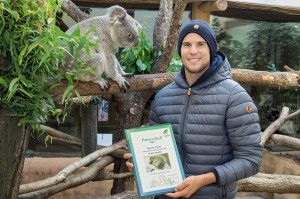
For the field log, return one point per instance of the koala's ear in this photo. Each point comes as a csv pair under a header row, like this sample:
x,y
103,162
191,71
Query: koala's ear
x,y
116,13
138,25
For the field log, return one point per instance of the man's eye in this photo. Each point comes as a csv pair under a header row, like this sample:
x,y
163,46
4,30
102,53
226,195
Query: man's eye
x,y
186,44
201,43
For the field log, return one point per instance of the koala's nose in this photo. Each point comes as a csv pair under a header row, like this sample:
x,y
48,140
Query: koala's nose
x,y
136,41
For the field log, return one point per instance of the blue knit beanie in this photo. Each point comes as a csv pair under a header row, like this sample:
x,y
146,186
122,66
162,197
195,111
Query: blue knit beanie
x,y
204,30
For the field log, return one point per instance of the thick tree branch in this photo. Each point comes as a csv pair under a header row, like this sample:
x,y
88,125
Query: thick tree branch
x,y
281,80
260,182
73,11
62,175
163,19
58,134
283,140
163,61
71,181
284,116
157,81
272,183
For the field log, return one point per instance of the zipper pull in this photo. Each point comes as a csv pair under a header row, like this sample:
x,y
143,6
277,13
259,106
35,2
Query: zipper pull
x,y
189,92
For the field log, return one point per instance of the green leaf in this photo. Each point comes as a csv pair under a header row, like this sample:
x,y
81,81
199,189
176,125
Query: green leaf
x,y
66,93
50,20
76,32
13,83
90,30
79,97
22,54
61,33
3,83
141,65
81,43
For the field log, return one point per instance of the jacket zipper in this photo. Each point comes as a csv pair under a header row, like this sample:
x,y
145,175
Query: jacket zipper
x,y
183,126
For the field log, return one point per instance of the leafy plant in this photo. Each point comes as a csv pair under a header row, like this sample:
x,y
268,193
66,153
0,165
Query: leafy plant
x,y
233,49
275,43
138,60
32,48
175,64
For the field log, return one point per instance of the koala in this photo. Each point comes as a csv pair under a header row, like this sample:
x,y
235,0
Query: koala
x,y
114,30
157,162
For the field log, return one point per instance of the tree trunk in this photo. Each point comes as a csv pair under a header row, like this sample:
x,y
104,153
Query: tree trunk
x,y
163,61
13,143
130,108
163,19
88,115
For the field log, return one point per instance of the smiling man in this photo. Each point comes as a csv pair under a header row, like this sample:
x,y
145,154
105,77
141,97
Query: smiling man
x,y
214,120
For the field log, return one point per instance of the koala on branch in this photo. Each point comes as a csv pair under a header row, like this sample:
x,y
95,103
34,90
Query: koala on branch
x,y
114,30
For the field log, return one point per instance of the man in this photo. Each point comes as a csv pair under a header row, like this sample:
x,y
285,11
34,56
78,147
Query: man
x,y
214,120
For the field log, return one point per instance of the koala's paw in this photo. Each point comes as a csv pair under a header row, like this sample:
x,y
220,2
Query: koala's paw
x,y
128,75
103,84
124,86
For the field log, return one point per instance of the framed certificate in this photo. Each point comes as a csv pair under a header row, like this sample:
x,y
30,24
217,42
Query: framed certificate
x,y
157,165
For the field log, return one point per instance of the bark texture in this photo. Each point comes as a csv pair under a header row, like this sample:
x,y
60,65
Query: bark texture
x,y
151,82
13,143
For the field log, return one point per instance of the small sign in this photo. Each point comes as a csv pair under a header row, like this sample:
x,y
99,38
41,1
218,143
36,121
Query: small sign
x,y
157,165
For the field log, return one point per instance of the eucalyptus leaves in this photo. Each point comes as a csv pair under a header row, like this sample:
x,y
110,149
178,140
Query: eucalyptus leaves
x,y
32,48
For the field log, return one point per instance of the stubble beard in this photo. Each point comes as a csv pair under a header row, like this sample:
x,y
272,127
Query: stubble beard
x,y
202,68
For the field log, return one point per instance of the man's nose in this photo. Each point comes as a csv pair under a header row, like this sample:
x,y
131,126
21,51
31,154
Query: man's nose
x,y
193,49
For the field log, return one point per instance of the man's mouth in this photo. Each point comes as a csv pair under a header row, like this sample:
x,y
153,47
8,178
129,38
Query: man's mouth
x,y
193,59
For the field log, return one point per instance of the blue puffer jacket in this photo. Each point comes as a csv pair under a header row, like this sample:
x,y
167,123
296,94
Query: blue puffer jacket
x,y
216,128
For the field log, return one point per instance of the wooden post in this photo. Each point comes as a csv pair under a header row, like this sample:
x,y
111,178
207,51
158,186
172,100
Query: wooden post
x,y
201,10
88,114
13,144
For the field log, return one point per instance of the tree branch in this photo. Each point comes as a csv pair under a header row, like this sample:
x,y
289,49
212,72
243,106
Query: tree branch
x,y
283,140
163,61
73,11
278,123
272,183
58,134
71,181
61,176
157,81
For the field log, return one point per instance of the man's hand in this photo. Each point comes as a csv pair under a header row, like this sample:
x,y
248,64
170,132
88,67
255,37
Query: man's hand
x,y
191,184
128,163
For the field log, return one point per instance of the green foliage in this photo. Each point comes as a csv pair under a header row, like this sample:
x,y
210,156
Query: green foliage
x,y
272,68
32,48
234,50
138,60
175,64
276,43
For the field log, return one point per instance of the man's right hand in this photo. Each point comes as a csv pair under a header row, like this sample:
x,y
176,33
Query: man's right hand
x,y
128,163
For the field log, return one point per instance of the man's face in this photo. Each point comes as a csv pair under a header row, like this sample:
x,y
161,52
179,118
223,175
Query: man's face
x,y
195,54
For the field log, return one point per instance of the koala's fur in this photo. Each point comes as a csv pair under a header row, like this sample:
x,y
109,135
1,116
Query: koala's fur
x,y
114,30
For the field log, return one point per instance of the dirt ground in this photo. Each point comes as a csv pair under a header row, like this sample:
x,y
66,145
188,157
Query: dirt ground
x,y
37,168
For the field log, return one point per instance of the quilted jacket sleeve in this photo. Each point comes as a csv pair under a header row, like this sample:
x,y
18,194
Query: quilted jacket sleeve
x,y
153,117
242,123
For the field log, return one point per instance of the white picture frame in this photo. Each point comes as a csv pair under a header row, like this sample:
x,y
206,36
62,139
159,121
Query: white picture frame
x,y
157,165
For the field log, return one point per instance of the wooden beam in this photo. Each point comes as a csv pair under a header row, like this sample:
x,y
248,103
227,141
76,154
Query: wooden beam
x,y
198,13
219,5
127,4
264,7
201,10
